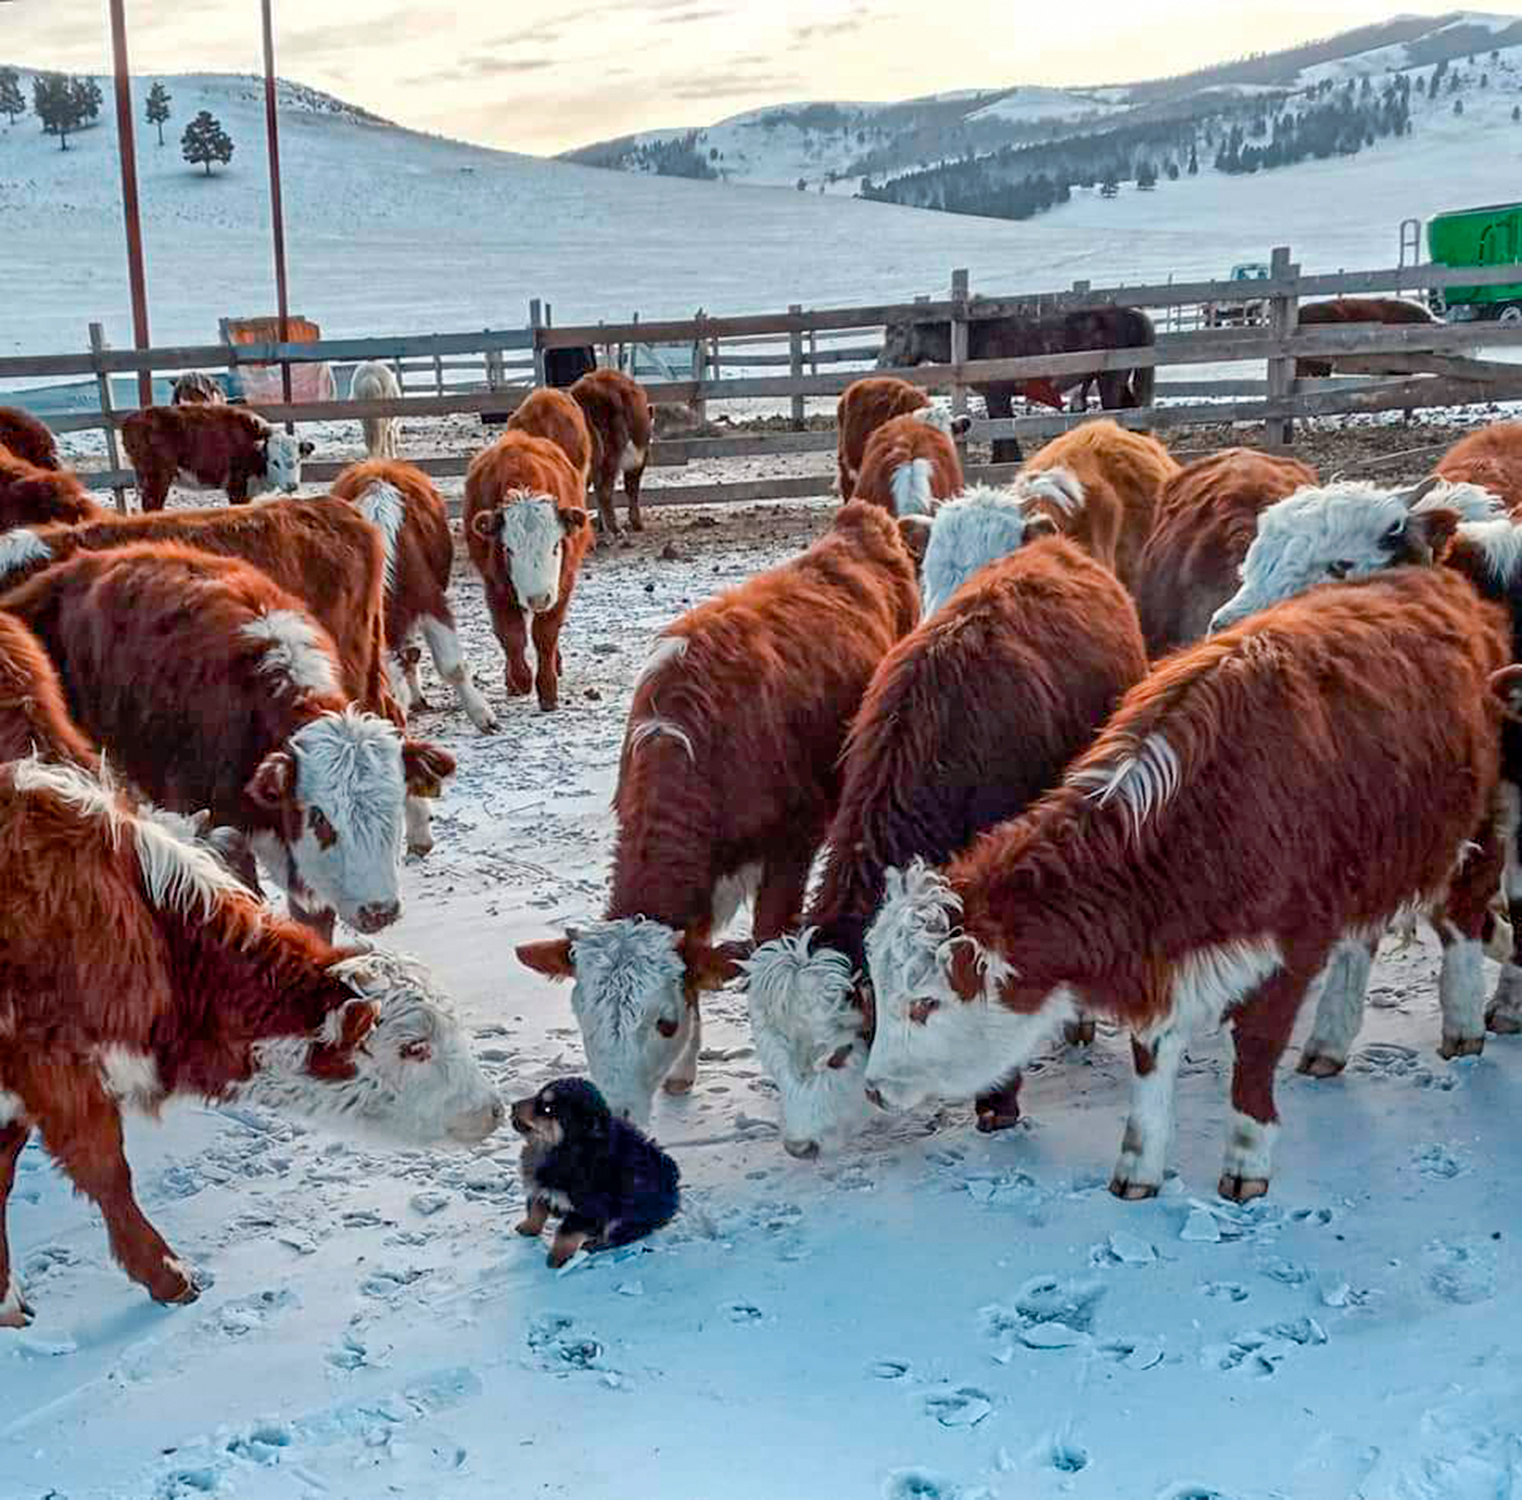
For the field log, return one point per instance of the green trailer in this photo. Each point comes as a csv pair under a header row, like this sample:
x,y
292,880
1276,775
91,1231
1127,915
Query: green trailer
x,y
1479,237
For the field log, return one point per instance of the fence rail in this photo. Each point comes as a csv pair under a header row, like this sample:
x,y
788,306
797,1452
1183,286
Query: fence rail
x,y
804,354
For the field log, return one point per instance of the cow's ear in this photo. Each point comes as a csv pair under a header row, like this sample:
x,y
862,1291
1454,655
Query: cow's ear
x,y
307,448
961,425
333,1061
274,781
1428,533
552,957
710,968
573,519
1038,526
915,530
486,523
426,767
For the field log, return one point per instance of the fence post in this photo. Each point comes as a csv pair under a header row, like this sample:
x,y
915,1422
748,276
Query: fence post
x,y
1282,312
536,323
960,330
699,370
795,362
107,412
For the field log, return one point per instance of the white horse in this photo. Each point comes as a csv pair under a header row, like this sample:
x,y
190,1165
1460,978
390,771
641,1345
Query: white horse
x,y
374,381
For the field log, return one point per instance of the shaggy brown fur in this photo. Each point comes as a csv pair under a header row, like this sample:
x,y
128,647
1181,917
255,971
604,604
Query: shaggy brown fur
x,y
1353,310
34,719
863,407
221,446
622,421
33,496
892,448
552,414
1491,457
28,438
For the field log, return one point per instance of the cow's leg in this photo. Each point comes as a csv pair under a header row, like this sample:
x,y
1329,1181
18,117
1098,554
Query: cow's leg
x,y
684,1071
1504,1013
1339,1008
411,658
15,1310
1149,1126
633,478
1461,930
512,632
152,490
82,1131
546,629
237,490
1001,403
999,1108
779,896
602,483
444,647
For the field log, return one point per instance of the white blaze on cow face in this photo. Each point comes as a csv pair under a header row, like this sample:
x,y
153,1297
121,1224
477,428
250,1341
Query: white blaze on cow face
x,y
282,461
349,788
929,1041
808,1036
532,540
403,1069
630,1000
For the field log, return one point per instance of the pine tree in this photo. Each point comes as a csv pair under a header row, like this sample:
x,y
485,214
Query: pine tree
x,y
12,100
1110,186
1146,175
205,141
1458,106
158,108
1516,113
1194,162
64,104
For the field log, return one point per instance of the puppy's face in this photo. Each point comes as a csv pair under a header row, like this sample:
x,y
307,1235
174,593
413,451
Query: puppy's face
x,y
568,1109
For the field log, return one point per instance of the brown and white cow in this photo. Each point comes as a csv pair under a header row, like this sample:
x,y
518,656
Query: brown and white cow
x,y
622,421
400,501
863,407
729,776
34,719
211,688
1491,458
210,447
910,463
1259,795
33,496
28,438
550,413
1120,477
196,388
527,530
326,555
138,971
1206,520
967,721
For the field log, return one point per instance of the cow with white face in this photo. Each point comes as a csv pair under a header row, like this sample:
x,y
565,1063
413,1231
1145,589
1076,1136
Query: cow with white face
x,y
984,524
527,531
210,446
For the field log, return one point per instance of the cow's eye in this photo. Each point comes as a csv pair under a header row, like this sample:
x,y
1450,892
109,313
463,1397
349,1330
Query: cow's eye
x,y
418,1051
922,1010
323,830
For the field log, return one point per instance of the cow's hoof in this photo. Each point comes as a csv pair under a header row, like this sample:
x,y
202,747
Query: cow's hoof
x,y
488,724
421,851
549,707
1462,1046
991,1121
1133,1192
1078,1033
16,1311
678,1085
1502,1023
1320,1065
175,1289
1241,1189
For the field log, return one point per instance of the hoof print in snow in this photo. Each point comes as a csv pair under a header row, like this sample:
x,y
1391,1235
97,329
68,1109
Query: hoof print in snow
x,y
1462,1272
964,1407
741,1312
889,1369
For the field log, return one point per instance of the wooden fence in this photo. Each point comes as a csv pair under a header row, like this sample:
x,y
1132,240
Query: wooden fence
x,y
792,357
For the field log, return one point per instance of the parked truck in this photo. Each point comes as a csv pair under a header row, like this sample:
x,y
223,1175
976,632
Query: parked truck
x,y
1478,237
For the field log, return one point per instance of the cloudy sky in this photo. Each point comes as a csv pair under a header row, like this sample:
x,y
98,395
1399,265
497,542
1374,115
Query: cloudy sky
x,y
543,75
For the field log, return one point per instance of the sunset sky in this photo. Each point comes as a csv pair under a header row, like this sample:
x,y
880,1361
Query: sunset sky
x,y
544,75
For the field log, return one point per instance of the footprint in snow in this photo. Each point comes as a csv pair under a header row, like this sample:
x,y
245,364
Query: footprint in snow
x,y
1461,1272
741,1312
246,1315
923,1484
1230,1291
1438,1163
965,1406
386,1284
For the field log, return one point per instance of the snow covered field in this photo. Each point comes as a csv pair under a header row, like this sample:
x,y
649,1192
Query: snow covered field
x,y
933,1315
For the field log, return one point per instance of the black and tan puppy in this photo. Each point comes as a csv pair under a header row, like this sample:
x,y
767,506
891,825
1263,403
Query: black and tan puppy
x,y
609,1184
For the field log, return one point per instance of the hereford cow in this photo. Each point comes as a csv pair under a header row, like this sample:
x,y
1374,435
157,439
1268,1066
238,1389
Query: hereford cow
x,y
527,532
1206,856
326,555
210,687
916,342
863,407
1339,310
730,773
32,496
34,719
27,438
554,415
172,982
967,721
1491,458
621,420
209,447
1206,521
402,504
911,463
1119,475
376,381
197,389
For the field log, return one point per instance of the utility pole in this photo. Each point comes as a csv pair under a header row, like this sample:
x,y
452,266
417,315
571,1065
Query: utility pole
x,y
277,212
127,143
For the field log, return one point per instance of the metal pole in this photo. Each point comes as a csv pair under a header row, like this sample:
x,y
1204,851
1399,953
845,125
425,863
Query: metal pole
x,y
277,213
125,141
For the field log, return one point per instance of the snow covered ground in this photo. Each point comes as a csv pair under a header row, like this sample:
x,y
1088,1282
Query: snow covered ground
x,y
933,1315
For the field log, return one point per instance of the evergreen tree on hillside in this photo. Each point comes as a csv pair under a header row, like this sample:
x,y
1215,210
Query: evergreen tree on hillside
x,y
205,142
65,104
158,108
1458,106
1194,162
12,100
1110,186
1146,175
1516,113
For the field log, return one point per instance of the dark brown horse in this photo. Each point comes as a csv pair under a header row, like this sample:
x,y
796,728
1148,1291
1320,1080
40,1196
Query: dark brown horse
x,y
1355,310
912,342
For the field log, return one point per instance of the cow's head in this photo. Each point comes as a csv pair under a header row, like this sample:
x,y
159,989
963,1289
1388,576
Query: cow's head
x,y
940,1024
1347,529
531,530
907,343
392,1060
331,799
810,1035
635,997
980,526
282,460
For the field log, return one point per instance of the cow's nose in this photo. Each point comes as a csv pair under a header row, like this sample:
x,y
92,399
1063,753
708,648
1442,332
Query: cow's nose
x,y
875,1096
803,1150
541,602
377,915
